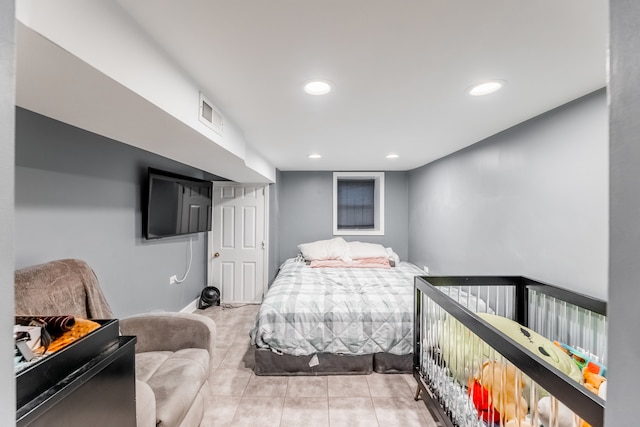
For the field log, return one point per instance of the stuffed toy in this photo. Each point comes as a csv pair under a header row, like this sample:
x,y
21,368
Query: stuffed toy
x,y
602,390
486,412
536,343
566,418
518,423
463,351
593,381
483,402
505,386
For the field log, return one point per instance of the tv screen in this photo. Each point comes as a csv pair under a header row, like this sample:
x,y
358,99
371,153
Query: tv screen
x,y
176,205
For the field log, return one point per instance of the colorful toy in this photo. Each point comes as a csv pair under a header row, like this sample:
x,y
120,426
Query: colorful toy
x,y
593,381
482,401
566,418
505,386
602,390
582,359
518,423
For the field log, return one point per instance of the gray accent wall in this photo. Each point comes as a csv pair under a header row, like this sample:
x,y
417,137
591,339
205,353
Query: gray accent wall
x,y
79,195
306,211
532,201
7,135
624,266
274,227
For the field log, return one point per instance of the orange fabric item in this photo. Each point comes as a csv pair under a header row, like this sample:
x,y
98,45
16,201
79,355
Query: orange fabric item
x,y
81,328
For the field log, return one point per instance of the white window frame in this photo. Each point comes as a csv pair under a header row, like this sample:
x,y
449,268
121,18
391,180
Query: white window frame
x,y
378,177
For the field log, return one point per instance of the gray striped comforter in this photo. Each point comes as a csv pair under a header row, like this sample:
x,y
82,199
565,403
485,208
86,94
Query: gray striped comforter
x,y
338,310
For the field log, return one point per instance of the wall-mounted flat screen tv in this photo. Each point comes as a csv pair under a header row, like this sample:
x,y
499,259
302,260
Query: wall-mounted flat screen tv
x,y
176,205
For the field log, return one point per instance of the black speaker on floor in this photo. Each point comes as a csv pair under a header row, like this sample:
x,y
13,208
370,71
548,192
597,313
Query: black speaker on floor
x,y
208,297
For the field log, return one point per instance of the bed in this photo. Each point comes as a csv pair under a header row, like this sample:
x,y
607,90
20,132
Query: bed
x,y
336,317
509,351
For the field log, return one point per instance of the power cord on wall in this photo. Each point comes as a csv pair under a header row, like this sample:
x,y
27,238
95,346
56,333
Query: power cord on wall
x,y
226,306
190,259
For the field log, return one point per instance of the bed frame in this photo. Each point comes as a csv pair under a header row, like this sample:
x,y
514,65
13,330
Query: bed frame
x,y
270,363
553,312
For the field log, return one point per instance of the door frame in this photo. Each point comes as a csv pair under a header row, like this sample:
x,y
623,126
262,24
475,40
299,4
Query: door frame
x,y
265,252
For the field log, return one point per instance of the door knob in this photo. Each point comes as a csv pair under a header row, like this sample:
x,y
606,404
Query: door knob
x,y
216,255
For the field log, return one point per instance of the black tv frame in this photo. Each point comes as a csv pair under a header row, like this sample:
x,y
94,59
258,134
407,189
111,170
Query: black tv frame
x,y
151,172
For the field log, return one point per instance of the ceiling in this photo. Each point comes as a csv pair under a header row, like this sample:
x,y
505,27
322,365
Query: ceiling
x,y
399,74
400,70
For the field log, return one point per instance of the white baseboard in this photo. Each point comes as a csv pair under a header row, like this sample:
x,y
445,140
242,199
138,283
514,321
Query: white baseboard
x,y
193,305
240,302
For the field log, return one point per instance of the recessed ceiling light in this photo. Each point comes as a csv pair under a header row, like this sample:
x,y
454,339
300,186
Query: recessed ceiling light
x,y
392,156
486,88
317,87
315,156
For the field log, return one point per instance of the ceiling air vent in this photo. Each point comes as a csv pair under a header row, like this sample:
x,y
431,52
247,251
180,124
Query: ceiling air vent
x,y
208,115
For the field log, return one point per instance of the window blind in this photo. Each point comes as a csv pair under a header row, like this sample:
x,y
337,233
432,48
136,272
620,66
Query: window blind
x,y
356,204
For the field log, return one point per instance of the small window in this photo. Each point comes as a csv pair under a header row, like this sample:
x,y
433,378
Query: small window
x,y
358,203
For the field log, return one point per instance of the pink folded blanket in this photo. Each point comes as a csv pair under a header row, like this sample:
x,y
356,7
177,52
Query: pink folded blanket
x,y
356,263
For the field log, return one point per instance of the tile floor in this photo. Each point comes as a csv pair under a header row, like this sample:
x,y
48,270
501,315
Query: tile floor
x,y
240,398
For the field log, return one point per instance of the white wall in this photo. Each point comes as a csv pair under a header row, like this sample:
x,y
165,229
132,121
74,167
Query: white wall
x,y
114,81
7,120
531,201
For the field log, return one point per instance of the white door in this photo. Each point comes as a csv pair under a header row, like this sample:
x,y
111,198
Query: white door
x,y
237,243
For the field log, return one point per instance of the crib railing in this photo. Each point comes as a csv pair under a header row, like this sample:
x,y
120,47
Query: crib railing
x,y
453,345
578,320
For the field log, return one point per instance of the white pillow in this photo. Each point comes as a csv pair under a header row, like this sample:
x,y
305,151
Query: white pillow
x,y
335,248
393,256
359,250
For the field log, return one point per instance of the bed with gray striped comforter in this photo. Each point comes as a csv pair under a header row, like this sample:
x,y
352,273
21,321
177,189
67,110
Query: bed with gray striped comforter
x,y
350,311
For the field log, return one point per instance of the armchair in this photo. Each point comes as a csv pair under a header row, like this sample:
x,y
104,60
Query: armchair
x,y
173,350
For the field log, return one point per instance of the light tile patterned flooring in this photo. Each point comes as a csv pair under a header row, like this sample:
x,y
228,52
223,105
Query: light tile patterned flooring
x,y
240,398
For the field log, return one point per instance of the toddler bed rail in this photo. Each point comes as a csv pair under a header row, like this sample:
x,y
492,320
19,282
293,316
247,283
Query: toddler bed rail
x,y
508,351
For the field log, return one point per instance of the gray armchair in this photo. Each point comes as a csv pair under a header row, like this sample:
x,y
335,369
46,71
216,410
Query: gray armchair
x,y
173,356
173,350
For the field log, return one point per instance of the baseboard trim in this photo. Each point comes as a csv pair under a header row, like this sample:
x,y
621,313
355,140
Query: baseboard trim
x,y
193,305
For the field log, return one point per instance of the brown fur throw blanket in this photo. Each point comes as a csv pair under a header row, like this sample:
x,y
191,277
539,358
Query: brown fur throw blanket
x,y
63,287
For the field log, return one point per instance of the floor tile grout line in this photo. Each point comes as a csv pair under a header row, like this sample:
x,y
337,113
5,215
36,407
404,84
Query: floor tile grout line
x,y
375,413
235,411
327,379
282,412
237,338
373,406
328,406
244,390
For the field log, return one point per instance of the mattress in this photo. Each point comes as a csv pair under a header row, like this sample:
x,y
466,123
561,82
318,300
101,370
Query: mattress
x,y
351,311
